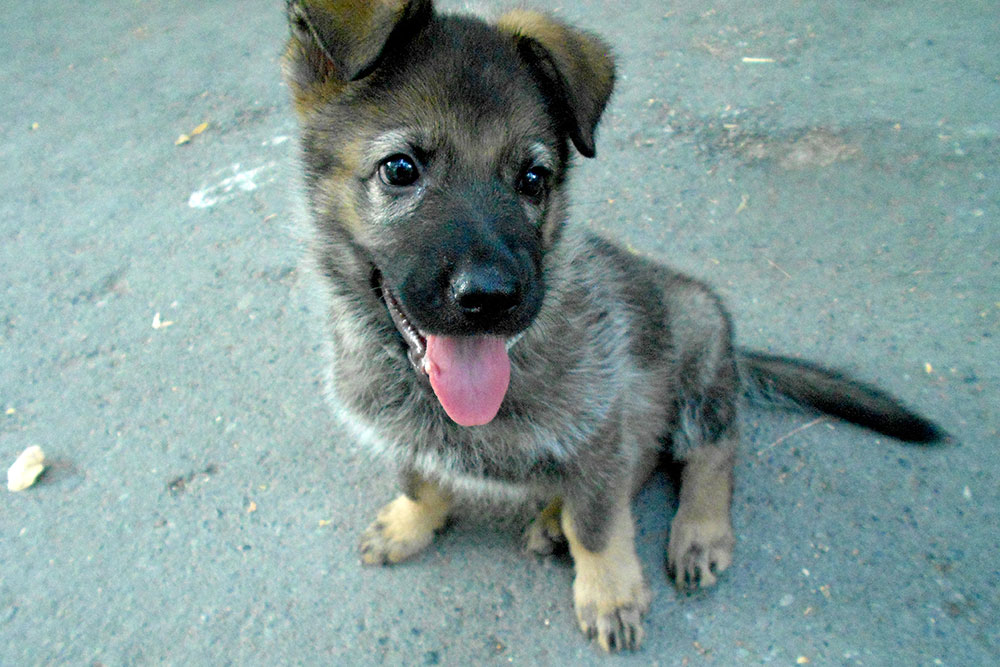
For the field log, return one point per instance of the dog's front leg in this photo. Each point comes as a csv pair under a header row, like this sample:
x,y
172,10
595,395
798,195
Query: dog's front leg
x,y
609,592
406,526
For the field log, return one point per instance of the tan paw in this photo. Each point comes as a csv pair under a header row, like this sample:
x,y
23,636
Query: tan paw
x,y
609,592
402,529
611,609
698,551
544,536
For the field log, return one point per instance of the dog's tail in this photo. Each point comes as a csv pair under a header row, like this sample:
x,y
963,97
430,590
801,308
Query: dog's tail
x,y
835,394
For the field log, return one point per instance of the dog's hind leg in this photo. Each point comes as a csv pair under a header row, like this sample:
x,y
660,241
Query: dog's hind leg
x,y
705,435
544,535
406,526
701,535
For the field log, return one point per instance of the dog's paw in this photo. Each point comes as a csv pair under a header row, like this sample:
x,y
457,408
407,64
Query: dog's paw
x,y
698,551
402,529
544,536
611,608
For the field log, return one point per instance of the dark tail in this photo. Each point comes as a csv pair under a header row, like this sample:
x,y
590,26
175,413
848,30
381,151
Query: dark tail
x,y
836,394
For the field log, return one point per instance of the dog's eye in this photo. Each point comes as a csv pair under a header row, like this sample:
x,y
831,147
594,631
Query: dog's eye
x,y
532,182
398,170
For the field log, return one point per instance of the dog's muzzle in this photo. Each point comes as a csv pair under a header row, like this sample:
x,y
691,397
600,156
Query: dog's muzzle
x,y
469,374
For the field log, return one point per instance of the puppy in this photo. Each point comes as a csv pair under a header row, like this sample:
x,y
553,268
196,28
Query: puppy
x,y
484,344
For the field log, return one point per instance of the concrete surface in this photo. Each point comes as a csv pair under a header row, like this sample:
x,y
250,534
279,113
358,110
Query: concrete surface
x,y
840,188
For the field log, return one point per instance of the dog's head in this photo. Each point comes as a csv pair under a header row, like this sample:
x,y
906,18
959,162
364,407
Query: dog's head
x,y
436,151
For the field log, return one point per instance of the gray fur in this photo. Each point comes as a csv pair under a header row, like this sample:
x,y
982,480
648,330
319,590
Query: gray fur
x,y
623,362
623,358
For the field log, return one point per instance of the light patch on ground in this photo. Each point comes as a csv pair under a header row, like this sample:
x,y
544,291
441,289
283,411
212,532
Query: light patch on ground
x,y
232,185
816,148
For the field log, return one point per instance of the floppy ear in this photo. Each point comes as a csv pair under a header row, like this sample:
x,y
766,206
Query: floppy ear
x,y
577,64
342,40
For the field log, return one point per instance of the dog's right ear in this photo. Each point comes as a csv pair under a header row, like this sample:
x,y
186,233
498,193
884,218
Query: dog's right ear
x,y
336,41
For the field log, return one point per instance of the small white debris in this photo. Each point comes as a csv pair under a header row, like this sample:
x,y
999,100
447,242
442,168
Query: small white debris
x,y
160,324
967,493
26,469
276,141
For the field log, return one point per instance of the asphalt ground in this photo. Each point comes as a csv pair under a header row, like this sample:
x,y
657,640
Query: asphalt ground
x,y
831,167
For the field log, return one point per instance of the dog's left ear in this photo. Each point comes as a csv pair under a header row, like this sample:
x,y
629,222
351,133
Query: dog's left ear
x,y
577,64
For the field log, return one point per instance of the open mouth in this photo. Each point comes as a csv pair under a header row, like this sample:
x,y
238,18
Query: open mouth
x,y
416,342
469,374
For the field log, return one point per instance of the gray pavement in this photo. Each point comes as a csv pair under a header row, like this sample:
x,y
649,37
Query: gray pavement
x,y
201,506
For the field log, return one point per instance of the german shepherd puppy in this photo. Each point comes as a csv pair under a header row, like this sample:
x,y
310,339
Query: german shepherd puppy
x,y
484,344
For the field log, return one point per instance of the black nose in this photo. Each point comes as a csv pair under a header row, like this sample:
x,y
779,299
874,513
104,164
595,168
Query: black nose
x,y
485,291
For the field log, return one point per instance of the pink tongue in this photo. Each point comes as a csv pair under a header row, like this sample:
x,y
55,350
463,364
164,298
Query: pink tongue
x,y
469,375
